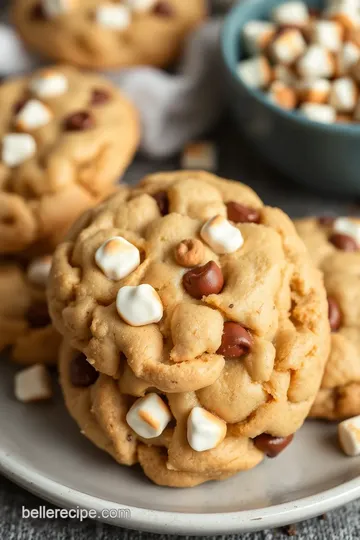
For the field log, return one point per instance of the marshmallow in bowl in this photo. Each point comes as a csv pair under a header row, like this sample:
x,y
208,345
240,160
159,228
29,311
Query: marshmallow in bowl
x,y
255,71
283,95
33,115
149,416
257,35
221,235
317,91
346,15
343,225
318,112
204,430
17,148
117,258
38,270
343,95
288,46
317,62
291,13
116,16
347,57
49,84
139,305
54,8
349,436
329,34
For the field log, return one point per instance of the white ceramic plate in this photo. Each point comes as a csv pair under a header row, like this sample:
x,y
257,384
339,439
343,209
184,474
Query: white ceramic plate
x,y
42,450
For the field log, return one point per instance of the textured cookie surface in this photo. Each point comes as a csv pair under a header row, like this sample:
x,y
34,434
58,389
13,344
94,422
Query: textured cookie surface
x,y
66,137
25,324
339,395
94,34
243,334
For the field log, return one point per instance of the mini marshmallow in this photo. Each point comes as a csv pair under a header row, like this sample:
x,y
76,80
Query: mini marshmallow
x,y
17,148
257,35
282,95
288,46
149,416
49,84
316,63
38,271
33,384
343,95
317,91
117,258
113,16
199,155
33,115
255,72
317,112
221,235
291,13
345,15
54,8
329,34
139,305
204,430
141,5
347,57
349,436
343,225
284,74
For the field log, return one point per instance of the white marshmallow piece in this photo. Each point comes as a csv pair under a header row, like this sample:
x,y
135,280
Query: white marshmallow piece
x,y
349,436
54,8
114,16
343,95
347,57
329,34
284,74
33,115
345,14
141,5
117,258
318,112
317,91
292,13
17,148
288,46
149,416
49,84
346,226
316,63
255,72
221,235
257,36
33,384
199,155
204,430
38,271
139,305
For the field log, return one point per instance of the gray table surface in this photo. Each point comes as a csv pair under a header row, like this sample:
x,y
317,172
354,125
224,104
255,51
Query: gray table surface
x,y
236,161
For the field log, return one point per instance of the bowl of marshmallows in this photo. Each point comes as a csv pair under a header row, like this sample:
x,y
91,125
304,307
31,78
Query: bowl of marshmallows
x,y
293,70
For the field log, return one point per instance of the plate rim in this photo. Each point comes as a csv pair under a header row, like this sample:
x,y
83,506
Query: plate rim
x,y
159,521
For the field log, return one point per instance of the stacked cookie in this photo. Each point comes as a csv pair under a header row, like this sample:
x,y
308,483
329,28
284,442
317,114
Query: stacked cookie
x,y
195,327
66,138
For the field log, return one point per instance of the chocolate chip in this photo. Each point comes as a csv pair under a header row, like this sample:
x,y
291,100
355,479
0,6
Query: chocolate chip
x,y
272,446
334,314
236,340
164,9
238,213
343,242
38,316
79,121
326,221
37,12
129,437
162,200
100,96
204,280
82,374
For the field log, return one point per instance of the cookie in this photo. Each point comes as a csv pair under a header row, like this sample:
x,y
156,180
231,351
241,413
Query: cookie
x,y
334,245
25,324
190,291
105,34
66,136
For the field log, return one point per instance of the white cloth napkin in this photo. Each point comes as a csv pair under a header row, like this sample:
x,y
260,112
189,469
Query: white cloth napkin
x,y
174,108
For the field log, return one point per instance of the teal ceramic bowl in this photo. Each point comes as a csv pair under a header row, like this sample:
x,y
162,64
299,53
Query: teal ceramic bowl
x,y
324,156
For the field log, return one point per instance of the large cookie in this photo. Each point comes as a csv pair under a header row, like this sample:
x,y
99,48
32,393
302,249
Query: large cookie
x,y
335,247
105,34
66,136
25,324
189,287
